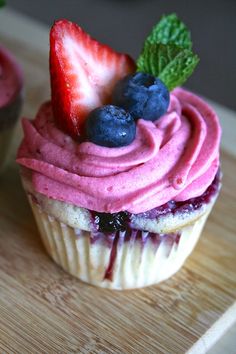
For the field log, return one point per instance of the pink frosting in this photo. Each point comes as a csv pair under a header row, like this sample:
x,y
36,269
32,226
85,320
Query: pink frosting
x,y
174,158
11,77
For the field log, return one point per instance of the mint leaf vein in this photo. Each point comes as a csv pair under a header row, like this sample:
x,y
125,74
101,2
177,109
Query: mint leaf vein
x,y
170,29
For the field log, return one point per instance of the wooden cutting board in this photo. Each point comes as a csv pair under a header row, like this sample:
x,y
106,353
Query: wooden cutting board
x,y
45,310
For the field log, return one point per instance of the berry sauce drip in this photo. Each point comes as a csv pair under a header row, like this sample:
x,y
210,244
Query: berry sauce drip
x,y
109,271
133,236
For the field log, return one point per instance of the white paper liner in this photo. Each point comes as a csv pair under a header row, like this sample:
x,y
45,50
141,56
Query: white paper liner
x,y
138,262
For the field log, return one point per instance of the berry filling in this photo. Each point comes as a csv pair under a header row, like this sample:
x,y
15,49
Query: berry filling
x,y
186,206
107,223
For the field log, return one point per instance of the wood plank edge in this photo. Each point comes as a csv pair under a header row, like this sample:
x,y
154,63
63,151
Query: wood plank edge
x,y
215,332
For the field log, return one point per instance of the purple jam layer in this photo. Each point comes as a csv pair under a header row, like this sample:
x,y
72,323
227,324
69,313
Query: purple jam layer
x,y
109,223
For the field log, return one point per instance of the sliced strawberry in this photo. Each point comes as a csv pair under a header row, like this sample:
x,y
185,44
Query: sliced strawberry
x,y
83,74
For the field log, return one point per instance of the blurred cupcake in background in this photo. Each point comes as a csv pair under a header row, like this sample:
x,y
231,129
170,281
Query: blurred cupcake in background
x,y
11,83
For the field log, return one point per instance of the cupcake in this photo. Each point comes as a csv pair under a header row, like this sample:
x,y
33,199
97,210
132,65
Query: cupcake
x,y
11,82
121,167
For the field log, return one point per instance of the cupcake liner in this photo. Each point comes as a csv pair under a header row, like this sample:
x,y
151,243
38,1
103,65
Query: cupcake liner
x,y
122,260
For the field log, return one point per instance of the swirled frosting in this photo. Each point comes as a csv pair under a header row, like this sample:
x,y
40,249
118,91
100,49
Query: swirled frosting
x,y
174,158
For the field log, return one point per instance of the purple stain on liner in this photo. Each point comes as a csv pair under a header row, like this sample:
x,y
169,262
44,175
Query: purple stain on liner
x,y
109,271
116,240
138,236
113,230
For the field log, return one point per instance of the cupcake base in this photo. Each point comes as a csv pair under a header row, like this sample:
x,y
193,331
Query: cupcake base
x,y
121,260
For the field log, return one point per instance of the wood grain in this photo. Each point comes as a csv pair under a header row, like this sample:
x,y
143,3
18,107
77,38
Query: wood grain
x,y
44,310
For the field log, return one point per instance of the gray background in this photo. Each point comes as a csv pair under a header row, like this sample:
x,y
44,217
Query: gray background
x,y
124,24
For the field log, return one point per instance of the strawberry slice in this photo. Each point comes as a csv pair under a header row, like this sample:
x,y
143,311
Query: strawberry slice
x,y
83,74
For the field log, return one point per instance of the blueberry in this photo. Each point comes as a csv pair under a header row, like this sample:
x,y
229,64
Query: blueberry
x,y
142,95
110,126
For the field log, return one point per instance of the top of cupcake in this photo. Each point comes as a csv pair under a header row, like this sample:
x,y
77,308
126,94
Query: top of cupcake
x,y
87,75
114,137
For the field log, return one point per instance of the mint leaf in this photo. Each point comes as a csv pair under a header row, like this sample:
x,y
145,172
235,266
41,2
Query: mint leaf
x,y
179,69
172,30
2,3
155,57
167,52
172,64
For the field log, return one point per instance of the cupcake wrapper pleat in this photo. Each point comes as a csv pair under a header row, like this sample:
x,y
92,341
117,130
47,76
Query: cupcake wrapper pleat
x,y
122,260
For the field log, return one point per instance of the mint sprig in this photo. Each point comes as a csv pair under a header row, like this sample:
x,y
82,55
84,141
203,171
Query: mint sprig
x,y
167,52
170,29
